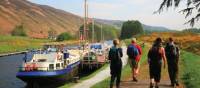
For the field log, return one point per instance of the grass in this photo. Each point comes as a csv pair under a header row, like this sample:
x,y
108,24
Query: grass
x,y
14,44
190,64
126,71
68,85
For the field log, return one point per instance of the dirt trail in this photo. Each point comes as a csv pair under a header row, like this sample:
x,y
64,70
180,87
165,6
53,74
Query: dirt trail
x,y
143,79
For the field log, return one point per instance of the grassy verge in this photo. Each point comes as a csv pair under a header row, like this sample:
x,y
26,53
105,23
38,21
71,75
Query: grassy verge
x,y
70,84
190,64
125,72
13,44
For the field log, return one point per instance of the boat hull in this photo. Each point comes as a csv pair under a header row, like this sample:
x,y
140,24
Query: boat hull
x,y
46,77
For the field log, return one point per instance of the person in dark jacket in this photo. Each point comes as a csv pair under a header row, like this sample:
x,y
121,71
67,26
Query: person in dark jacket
x,y
155,57
115,55
172,54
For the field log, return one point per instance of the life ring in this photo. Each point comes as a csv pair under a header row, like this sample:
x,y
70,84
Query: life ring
x,y
34,66
27,67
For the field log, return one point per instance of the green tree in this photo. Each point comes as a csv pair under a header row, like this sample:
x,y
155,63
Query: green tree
x,y
19,31
64,36
130,29
191,7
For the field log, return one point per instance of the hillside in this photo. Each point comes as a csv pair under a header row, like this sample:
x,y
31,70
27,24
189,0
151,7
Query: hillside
x,y
37,19
148,28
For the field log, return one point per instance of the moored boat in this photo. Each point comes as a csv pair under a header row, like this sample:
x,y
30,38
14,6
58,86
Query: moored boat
x,y
50,66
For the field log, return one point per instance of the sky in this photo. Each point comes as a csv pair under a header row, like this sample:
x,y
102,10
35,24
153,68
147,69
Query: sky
x,y
141,10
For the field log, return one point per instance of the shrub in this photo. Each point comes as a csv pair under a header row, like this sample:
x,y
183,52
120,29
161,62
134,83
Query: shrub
x,y
64,36
19,31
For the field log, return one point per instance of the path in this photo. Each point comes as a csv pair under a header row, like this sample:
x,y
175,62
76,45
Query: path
x,y
143,79
99,76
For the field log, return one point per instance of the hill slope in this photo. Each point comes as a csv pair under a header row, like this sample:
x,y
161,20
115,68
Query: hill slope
x,y
37,19
118,24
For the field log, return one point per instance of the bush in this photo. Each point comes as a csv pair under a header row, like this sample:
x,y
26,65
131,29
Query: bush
x,y
64,36
19,31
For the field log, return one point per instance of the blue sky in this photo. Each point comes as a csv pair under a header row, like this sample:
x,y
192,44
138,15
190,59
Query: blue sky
x,y
141,10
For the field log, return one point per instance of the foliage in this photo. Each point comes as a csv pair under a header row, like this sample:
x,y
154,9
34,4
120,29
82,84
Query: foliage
x,y
64,36
192,30
190,67
19,31
192,6
130,29
108,32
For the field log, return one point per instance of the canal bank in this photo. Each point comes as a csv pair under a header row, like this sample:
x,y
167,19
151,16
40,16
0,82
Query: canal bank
x,y
14,53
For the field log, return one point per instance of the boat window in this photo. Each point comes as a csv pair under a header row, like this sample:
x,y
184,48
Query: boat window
x,y
42,60
51,66
57,65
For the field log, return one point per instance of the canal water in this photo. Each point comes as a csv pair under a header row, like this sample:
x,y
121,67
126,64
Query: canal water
x,y
8,69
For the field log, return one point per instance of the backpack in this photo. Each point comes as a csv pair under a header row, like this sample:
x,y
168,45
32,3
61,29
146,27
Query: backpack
x,y
172,51
154,55
114,54
132,51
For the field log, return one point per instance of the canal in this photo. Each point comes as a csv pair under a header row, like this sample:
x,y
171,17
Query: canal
x,y
8,69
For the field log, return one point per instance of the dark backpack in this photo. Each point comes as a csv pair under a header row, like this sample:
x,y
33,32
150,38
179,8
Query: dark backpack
x,y
132,51
172,51
114,54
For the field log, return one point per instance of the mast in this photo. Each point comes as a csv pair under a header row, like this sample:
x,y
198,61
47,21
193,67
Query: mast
x,y
93,30
85,20
101,33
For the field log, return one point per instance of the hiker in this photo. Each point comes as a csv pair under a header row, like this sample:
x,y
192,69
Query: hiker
x,y
134,52
115,55
172,54
155,56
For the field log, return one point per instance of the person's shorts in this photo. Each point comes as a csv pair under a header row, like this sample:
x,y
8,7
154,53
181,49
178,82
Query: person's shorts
x,y
133,63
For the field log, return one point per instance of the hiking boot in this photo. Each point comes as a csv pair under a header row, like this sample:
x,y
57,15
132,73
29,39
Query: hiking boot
x,y
151,85
177,84
156,86
134,79
172,84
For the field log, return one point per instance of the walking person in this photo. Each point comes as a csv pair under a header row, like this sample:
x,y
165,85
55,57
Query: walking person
x,y
156,56
134,53
172,54
115,55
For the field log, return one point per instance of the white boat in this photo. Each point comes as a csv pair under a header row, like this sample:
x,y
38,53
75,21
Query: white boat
x,y
49,66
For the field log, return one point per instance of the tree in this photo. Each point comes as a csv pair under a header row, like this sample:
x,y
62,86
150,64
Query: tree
x,y
191,6
64,36
19,31
130,29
